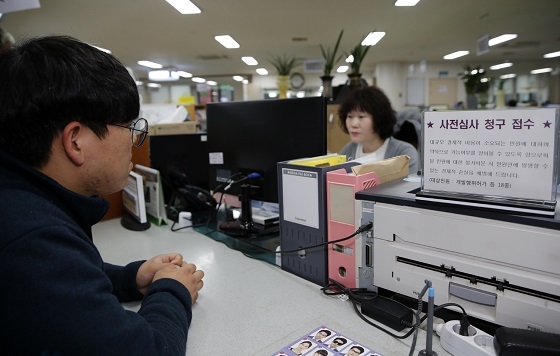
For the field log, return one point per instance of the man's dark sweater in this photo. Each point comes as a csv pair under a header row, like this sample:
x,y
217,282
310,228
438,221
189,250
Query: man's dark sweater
x,y
57,294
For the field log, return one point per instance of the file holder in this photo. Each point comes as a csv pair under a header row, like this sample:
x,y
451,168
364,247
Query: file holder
x,y
303,219
350,262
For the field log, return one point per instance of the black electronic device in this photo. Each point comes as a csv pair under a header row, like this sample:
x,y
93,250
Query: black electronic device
x,y
181,160
192,199
251,137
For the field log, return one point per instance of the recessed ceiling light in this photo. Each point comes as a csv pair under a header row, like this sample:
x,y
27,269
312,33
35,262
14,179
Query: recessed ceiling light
x,y
238,78
227,41
342,69
455,54
507,76
350,59
501,39
198,80
406,2
250,61
184,6
245,81
211,82
542,70
149,64
262,71
162,75
501,66
373,38
552,55
184,74
154,85
103,49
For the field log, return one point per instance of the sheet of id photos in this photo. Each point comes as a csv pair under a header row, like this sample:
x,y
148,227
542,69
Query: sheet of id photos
x,y
325,341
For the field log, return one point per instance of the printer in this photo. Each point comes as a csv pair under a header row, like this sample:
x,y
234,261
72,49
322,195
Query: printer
x,y
501,267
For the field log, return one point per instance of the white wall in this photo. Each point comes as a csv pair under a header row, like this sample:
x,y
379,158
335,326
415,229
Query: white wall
x,y
389,76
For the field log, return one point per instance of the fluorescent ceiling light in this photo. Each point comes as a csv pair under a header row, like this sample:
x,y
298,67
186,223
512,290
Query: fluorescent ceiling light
x,y
350,59
103,49
198,80
542,70
507,76
373,38
262,71
406,2
501,66
455,54
501,39
184,6
227,41
211,82
552,55
154,85
238,78
250,61
162,75
342,69
150,64
184,74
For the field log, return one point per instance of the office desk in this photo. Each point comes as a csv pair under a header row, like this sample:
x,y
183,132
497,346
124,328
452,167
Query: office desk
x,y
247,306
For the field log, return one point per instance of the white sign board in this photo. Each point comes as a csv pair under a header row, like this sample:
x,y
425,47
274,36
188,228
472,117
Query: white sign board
x,y
504,153
300,194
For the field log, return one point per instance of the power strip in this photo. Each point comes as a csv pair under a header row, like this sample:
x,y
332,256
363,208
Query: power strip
x,y
478,343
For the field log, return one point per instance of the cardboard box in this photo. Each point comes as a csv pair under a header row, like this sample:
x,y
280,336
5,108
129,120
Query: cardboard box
x,y
173,128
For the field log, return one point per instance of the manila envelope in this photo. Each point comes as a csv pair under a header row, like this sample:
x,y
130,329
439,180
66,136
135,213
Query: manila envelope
x,y
387,170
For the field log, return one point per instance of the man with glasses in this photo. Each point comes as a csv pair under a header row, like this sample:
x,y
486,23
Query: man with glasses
x,y
68,121
337,343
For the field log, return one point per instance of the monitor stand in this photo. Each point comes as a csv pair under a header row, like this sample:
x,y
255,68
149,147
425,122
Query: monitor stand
x,y
244,226
130,223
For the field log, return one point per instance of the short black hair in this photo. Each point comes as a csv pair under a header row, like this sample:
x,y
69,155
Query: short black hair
x,y
361,349
47,82
373,101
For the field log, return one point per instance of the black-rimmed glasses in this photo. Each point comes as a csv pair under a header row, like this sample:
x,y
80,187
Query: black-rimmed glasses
x,y
138,128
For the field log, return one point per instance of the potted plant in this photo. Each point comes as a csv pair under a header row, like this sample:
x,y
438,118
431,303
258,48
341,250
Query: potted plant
x,y
501,94
283,65
330,59
358,53
471,78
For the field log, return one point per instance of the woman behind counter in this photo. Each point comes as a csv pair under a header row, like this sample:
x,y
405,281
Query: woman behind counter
x,y
368,117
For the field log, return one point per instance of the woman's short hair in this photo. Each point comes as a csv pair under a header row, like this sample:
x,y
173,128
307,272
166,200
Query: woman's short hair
x,y
373,101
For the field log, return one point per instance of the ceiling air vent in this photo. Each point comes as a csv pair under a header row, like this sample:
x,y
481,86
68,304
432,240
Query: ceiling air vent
x,y
313,66
208,57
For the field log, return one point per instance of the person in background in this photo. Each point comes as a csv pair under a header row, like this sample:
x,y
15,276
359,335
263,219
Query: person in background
x,y
68,121
368,117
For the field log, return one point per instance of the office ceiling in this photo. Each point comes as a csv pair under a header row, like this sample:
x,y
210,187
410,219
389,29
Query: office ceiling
x,y
153,30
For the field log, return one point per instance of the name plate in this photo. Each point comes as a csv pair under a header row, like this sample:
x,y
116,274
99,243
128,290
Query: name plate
x,y
491,153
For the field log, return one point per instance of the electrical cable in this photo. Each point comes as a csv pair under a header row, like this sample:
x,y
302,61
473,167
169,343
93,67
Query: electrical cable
x,y
358,295
363,228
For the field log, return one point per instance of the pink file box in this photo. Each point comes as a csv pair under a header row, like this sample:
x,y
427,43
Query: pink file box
x,y
344,258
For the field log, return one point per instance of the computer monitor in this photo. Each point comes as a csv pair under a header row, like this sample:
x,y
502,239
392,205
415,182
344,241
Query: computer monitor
x,y
181,159
247,137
